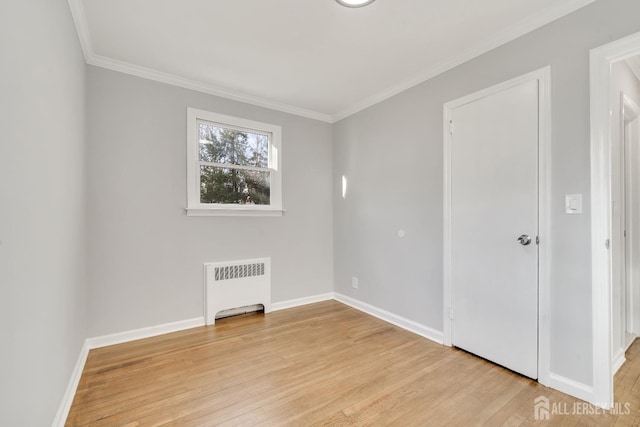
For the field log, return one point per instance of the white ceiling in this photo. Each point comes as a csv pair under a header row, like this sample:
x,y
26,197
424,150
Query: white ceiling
x,y
309,57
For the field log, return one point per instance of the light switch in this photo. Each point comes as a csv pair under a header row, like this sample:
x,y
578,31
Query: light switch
x,y
573,204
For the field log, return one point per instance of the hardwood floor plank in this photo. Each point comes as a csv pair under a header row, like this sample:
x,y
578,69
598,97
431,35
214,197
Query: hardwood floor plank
x,y
324,364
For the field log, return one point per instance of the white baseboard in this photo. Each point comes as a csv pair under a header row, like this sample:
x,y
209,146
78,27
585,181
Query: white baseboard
x,y
148,332
283,305
409,325
151,331
618,360
571,387
630,340
72,386
394,319
558,382
105,340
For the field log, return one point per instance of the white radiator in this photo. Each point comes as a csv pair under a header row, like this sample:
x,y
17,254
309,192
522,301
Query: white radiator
x,y
235,284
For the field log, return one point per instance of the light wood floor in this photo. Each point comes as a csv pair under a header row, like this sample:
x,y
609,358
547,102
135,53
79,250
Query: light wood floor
x,y
321,364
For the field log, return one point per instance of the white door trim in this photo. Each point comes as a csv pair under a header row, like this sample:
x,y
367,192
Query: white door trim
x,y
543,76
600,66
629,111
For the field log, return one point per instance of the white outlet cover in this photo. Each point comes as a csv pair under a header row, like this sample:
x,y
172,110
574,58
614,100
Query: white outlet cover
x,y
401,233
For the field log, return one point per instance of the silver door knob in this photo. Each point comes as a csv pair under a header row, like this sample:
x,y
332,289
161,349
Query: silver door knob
x,y
524,240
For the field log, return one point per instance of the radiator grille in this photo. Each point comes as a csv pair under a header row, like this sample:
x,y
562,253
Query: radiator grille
x,y
238,271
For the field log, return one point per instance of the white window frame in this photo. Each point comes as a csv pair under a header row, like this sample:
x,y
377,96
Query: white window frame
x,y
194,206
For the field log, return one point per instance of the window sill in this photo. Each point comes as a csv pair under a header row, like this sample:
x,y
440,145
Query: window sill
x,y
234,212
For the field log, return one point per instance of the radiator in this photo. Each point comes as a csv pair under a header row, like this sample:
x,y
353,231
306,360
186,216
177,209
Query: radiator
x,y
235,284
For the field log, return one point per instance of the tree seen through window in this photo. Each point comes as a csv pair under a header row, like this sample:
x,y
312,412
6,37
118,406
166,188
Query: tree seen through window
x,y
233,166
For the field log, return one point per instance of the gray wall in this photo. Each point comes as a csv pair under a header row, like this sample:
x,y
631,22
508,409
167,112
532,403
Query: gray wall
x,y
392,154
43,318
146,255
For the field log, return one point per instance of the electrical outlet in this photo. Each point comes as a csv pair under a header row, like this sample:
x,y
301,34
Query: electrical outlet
x,y
354,282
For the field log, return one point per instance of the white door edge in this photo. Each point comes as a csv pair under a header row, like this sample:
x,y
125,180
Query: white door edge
x,y
543,76
629,112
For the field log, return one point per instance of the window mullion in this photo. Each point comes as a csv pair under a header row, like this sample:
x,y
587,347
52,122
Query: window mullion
x,y
232,166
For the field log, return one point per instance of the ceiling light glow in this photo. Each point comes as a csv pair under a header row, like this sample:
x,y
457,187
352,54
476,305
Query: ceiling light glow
x,y
355,3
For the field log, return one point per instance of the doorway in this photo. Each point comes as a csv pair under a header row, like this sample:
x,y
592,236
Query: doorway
x,y
605,262
625,95
496,219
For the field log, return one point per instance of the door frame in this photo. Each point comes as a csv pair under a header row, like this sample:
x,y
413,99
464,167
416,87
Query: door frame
x,y
601,59
629,111
543,76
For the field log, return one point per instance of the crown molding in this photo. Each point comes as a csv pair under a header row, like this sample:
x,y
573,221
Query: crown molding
x,y
80,20
502,37
171,79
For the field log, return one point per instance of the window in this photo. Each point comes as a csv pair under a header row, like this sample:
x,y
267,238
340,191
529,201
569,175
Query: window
x,y
233,166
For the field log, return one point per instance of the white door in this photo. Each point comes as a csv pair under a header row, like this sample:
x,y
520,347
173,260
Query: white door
x,y
494,201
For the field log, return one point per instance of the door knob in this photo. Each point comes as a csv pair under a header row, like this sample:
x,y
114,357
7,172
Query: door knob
x,y
524,240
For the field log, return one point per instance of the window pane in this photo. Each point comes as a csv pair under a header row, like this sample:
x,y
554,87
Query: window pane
x,y
230,146
234,186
